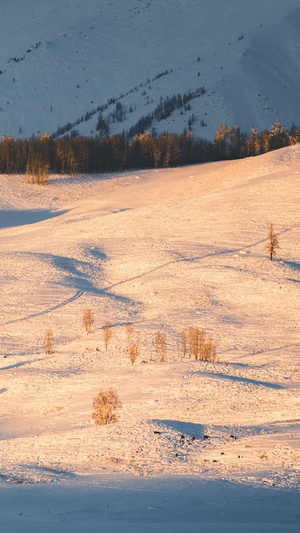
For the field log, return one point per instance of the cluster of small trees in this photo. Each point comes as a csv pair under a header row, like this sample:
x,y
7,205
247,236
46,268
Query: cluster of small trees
x,y
195,342
70,154
164,110
231,143
28,51
69,126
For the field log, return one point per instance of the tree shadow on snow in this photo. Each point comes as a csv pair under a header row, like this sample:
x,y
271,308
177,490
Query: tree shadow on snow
x,y
188,429
96,253
12,218
187,432
58,473
80,178
241,379
292,264
21,363
78,275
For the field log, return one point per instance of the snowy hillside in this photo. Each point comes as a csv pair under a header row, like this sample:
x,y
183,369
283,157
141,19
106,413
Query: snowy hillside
x,y
162,250
60,61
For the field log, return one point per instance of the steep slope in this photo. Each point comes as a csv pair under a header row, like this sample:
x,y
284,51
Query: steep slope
x,y
60,62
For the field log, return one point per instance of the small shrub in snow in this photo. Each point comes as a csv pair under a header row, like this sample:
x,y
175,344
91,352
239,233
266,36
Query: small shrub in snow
x,y
106,405
49,342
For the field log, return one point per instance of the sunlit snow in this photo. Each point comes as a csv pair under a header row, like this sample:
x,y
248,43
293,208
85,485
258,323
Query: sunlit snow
x,y
198,446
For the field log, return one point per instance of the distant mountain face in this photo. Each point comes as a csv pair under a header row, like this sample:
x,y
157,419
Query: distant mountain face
x,y
100,66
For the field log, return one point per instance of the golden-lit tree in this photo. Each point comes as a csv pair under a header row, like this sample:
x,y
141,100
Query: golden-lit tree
x,y
272,244
105,406
160,346
88,319
107,333
48,343
133,343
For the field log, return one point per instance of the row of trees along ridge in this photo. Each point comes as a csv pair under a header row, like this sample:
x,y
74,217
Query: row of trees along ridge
x,y
77,154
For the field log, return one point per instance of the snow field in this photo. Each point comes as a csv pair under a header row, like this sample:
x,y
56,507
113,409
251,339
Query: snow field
x,y
162,250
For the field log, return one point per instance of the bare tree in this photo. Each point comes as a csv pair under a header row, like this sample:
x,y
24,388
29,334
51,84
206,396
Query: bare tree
x,y
209,352
160,346
195,341
107,334
88,319
105,406
129,334
133,343
49,342
183,341
134,350
272,245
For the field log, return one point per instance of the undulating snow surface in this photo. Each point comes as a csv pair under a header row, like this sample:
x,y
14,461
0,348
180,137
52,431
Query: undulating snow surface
x,y
196,443
61,59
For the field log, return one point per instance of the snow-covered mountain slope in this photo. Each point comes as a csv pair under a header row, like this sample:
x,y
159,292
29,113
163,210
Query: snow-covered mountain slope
x,y
61,60
162,250
198,446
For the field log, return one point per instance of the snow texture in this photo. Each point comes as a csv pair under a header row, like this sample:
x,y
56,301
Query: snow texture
x,y
196,444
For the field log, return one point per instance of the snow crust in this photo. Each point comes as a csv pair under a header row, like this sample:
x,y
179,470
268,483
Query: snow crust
x,y
163,250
